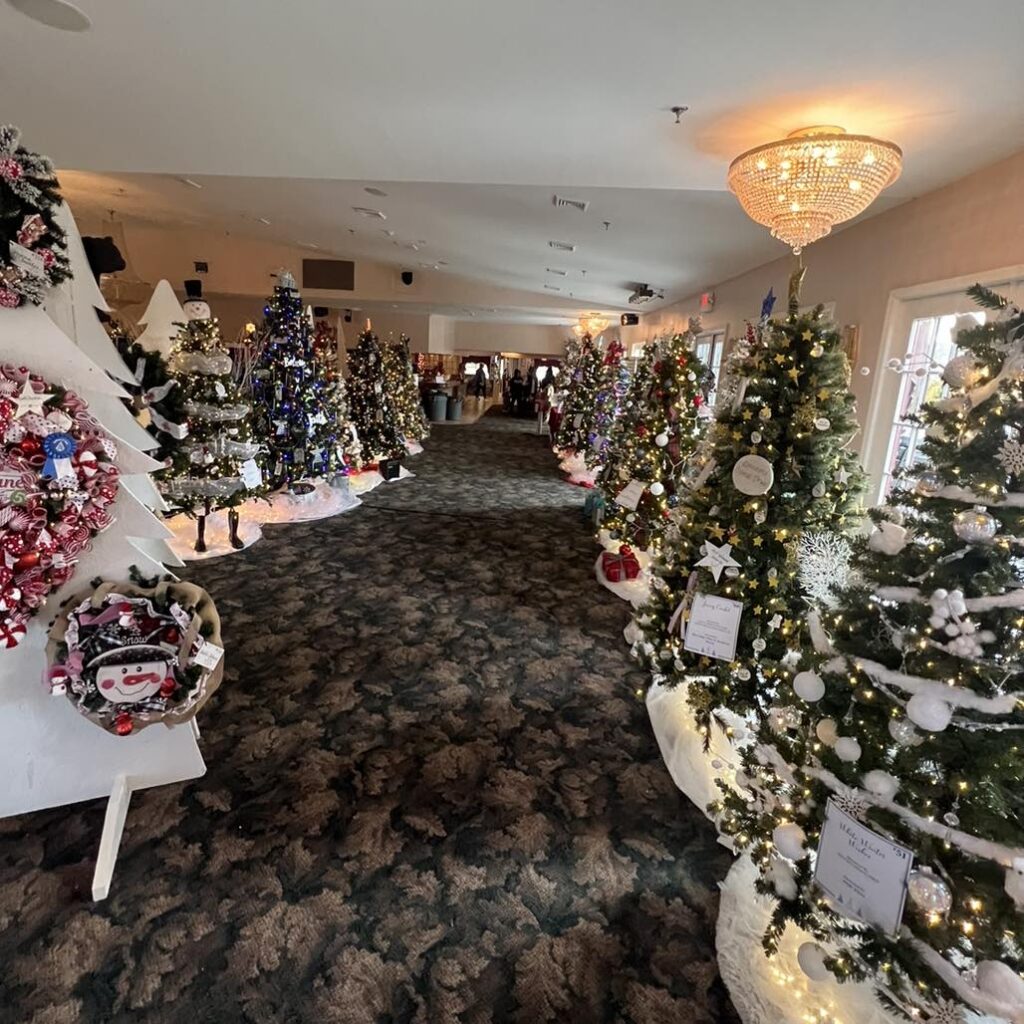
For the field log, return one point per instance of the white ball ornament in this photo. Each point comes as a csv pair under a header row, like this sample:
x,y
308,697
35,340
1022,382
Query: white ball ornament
x,y
811,958
929,713
657,488
809,686
847,749
783,880
1001,982
888,538
880,783
661,440
790,840
827,731
961,371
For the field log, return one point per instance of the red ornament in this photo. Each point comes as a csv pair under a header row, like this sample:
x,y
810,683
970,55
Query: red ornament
x,y
9,299
48,257
10,169
698,400
27,561
123,724
32,229
30,446
168,686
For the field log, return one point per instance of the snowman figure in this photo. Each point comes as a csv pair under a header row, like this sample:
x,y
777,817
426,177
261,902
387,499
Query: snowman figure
x,y
133,674
195,306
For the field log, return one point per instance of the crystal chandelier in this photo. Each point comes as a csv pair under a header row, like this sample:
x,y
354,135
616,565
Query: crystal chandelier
x,y
590,323
802,185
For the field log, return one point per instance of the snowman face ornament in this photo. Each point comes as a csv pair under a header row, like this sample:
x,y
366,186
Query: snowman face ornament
x,y
197,309
132,682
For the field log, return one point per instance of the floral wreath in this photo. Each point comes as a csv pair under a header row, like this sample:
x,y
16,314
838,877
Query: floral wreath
x,y
58,481
33,248
128,656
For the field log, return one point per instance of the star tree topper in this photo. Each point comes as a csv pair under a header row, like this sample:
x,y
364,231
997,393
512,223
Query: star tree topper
x,y
717,558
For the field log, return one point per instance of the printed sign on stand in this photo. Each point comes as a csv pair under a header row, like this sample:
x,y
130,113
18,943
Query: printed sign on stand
x,y
863,874
630,495
713,627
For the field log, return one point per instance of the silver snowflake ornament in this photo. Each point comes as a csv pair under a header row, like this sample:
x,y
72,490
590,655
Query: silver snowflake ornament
x,y
1011,457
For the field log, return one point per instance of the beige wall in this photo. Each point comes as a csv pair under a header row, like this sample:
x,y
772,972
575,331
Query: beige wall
x,y
529,339
969,227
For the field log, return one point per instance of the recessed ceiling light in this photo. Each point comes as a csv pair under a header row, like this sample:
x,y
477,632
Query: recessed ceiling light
x,y
563,246
555,270
374,191
190,183
365,211
54,13
263,220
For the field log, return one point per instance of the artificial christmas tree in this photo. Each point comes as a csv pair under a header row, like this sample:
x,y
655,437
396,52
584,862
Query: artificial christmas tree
x,y
402,388
907,725
580,400
607,403
728,607
291,395
654,438
214,465
328,355
371,407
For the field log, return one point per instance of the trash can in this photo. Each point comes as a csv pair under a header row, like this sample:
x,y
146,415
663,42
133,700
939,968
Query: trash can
x,y
454,408
438,406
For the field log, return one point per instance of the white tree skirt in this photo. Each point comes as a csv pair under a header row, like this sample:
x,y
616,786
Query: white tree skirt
x,y
184,530
368,479
636,591
326,500
775,990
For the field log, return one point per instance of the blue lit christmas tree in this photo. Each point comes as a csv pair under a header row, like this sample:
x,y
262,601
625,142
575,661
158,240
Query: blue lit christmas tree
x,y
292,396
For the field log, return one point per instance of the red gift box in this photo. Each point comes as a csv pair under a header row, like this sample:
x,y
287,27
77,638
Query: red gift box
x,y
622,566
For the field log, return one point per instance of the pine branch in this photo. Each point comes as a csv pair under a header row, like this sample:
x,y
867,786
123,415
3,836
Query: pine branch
x,y
986,298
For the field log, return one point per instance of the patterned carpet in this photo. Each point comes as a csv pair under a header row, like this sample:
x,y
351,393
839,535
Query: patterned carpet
x,y
432,796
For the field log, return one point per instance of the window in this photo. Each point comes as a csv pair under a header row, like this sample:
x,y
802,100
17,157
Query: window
x,y
709,349
931,344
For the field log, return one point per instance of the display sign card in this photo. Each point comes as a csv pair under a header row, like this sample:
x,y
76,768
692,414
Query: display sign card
x,y
713,627
27,261
208,656
630,495
863,874
577,420
252,475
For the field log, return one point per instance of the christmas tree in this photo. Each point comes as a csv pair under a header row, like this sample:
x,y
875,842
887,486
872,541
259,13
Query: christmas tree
x,y
214,465
581,399
774,470
327,354
910,719
660,427
372,411
291,394
402,388
607,403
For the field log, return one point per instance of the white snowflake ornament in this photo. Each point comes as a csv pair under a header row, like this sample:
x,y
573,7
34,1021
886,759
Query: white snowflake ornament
x,y
1011,457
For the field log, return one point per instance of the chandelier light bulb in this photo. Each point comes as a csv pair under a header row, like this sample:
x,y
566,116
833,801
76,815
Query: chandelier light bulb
x,y
800,187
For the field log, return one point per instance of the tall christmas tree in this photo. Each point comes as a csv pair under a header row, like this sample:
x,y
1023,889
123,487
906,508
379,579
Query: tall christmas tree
x,y
214,465
607,403
910,720
371,406
291,394
581,399
774,471
661,425
402,388
326,352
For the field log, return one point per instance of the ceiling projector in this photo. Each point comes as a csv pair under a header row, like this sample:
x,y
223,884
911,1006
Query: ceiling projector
x,y
642,293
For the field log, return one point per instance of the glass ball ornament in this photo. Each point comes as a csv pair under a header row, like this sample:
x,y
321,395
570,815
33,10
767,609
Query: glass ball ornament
x,y
976,525
961,371
903,732
817,349
657,488
827,731
928,484
928,892
661,440
809,686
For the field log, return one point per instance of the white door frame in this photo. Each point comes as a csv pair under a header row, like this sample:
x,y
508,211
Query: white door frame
x,y
903,307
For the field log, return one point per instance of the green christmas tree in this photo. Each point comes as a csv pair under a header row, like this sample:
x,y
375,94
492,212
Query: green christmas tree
x,y
580,404
774,470
214,464
402,389
909,720
291,395
326,354
371,405
660,426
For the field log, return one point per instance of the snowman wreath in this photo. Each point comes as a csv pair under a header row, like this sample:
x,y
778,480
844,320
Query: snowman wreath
x,y
129,656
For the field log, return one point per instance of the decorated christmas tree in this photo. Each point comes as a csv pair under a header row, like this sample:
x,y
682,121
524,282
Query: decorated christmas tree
x,y
580,401
290,391
908,724
214,465
402,388
371,406
656,435
327,353
774,473
607,403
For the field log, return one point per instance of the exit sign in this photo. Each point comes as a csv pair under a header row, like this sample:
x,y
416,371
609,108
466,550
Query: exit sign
x,y
707,301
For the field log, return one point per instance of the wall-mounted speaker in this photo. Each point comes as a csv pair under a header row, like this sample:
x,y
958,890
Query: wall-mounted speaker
x,y
407,278
629,319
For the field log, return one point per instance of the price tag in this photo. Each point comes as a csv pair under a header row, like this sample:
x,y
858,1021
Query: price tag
x,y
863,874
208,656
630,495
713,627
27,261
252,475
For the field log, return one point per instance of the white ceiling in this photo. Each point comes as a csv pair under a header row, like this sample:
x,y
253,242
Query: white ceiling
x,y
300,105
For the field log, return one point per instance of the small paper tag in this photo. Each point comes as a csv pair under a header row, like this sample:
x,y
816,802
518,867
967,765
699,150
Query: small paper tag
x,y
180,616
630,495
713,627
863,874
27,261
577,420
252,475
208,656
